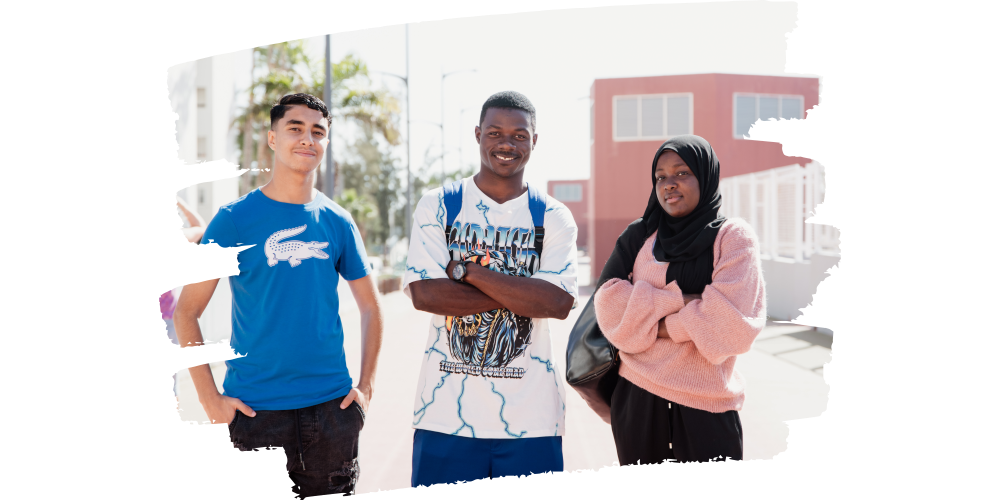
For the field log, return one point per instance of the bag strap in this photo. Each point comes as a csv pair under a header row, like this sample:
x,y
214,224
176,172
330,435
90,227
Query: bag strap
x,y
452,198
452,203
536,204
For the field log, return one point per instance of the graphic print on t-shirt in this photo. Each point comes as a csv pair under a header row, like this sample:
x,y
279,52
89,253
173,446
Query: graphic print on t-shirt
x,y
293,251
485,343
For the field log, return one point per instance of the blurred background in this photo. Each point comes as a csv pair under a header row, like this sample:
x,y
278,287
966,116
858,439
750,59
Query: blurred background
x,y
609,85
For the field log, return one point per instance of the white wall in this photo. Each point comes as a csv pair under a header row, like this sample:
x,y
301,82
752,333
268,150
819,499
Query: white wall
x,y
225,79
790,286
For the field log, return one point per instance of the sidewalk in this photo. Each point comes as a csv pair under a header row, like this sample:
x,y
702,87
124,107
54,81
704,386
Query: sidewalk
x,y
783,371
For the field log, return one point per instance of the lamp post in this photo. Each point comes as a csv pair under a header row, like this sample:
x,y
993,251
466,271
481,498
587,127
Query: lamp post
x,y
328,177
409,179
461,120
443,76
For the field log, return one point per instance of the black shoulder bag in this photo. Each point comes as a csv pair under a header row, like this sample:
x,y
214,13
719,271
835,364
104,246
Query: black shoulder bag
x,y
591,361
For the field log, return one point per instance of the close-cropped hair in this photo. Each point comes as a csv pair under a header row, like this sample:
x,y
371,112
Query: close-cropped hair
x,y
308,100
509,99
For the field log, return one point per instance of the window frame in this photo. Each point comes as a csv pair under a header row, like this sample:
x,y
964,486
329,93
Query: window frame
x,y
756,109
639,137
579,190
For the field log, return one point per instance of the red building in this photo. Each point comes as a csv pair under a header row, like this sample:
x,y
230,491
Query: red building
x,y
574,194
631,117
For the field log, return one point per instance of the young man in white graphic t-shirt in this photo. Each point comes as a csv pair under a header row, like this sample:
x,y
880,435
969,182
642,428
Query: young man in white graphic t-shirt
x,y
492,258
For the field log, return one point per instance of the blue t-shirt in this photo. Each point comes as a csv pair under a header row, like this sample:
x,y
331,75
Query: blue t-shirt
x,y
285,314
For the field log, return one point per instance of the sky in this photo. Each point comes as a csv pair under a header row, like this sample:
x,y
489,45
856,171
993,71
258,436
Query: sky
x,y
553,58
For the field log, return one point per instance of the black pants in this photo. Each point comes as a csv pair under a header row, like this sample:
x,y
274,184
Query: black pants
x,y
320,442
650,429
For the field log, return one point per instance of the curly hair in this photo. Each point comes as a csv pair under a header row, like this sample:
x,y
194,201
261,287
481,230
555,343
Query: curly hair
x,y
508,99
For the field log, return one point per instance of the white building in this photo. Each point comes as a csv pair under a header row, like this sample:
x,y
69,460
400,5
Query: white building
x,y
206,95
795,255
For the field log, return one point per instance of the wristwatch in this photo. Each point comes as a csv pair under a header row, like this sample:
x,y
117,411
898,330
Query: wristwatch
x,y
458,272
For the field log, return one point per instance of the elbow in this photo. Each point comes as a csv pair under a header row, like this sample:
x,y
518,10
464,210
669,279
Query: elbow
x,y
418,299
563,308
184,311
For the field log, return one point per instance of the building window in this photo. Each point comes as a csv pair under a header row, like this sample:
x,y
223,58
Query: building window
x,y
567,192
652,117
748,108
202,148
201,97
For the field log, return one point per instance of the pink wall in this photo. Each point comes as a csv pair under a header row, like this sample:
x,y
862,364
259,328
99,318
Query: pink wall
x,y
577,208
620,184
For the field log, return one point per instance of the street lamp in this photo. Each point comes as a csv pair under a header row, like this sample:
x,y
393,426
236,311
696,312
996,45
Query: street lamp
x,y
328,177
443,76
461,120
409,179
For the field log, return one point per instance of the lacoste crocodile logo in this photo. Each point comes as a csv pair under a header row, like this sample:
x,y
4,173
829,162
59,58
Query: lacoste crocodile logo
x,y
292,251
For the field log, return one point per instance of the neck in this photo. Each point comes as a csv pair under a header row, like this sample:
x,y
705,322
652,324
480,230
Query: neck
x,y
500,189
288,186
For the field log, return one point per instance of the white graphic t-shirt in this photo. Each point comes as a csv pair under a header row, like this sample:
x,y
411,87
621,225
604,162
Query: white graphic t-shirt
x,y
493,374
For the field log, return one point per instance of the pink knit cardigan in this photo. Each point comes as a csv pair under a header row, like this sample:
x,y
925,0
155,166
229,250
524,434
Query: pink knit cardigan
x,y
695,367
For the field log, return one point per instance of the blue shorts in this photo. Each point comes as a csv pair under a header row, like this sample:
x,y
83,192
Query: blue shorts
x,y
442,458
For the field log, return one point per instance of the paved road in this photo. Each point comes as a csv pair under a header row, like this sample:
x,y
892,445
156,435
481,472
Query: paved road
x,y
783,372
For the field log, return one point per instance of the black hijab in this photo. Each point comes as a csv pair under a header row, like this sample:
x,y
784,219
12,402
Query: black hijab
x,y
687,242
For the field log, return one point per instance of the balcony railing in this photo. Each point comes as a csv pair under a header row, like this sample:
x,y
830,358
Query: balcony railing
x,y
776,203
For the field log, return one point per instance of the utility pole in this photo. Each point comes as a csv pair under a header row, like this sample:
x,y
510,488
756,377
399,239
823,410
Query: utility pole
x,y
461,121
443,76
409,178
328,177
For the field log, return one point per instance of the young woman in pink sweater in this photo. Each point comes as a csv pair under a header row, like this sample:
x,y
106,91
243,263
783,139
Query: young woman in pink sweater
x,y
695,301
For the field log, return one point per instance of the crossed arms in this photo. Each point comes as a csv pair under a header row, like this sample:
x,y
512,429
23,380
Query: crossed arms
x,y
486,290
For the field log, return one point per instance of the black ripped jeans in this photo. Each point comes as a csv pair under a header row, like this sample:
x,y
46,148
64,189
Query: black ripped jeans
x,y
320,442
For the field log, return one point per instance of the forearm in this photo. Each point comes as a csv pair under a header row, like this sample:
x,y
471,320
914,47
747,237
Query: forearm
x,y
189,335
629,315
194,220
371,345
450,298
661,328
531,298
194,233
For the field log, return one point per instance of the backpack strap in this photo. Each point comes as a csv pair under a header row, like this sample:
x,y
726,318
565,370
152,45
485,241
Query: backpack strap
x,y
452,198
536,204
452,206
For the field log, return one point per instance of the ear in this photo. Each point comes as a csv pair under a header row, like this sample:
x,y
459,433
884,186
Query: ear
x,y
479,133
534,141
270,139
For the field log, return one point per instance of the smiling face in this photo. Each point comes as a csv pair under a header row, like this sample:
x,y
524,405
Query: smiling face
x,y
505,141
299,139
676,186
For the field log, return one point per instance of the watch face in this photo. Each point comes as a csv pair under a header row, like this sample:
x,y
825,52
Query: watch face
x,y
457,272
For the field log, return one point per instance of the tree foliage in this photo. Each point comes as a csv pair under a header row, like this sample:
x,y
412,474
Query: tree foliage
x,y
286,68
360,209
371,170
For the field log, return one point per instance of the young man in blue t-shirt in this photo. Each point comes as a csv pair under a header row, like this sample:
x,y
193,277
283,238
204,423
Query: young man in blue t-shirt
x,y
291,388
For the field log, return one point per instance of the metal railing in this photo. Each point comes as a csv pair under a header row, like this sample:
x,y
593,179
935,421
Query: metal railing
x,y
776,203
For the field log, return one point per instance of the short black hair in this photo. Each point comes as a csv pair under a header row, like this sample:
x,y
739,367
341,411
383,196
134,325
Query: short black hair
x,y
509,99
308,100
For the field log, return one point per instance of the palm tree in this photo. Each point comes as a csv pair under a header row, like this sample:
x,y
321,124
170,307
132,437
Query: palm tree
x,y
285,68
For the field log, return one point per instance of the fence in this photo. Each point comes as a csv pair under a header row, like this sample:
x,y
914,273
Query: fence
x,y
776,203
